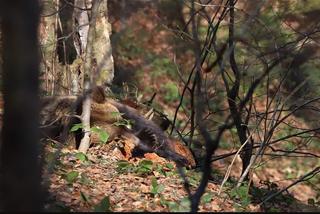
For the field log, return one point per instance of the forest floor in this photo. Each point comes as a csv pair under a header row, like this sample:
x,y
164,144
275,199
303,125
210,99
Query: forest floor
x,y
103,180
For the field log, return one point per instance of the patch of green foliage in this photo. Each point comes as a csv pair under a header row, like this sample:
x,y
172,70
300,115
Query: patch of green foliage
x,y
171,92
129,46
103,206
81,156
299,7
241,195
71,176
103,135
225,144
162,66
156,188
166,170
76,127
184,204
124,122
144,167
181,206
206,198
84,179
124,167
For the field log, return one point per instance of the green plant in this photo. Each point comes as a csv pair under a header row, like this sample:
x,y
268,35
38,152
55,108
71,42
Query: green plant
x,y
206,198
124,122
289,146
193,177
71,177
156,188
170,171
166,169
225,144
124,166
241,194
76,127
84,179
51,158
160,169
103,206
129,46
182,206
171,92
162,66
84,197
81,156
103,135
144,167
289,173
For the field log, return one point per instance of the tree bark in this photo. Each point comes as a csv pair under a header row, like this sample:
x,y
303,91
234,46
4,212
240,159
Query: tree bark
x,y
21,171
88,77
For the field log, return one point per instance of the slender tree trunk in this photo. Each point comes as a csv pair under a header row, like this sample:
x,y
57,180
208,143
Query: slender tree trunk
x,y
233,93
66,49
65,46
20,168
85,117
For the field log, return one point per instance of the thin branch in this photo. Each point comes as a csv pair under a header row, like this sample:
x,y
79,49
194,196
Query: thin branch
x,y
303,178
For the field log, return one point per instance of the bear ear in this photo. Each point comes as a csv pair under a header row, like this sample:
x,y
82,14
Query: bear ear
x,y
98,95
165,123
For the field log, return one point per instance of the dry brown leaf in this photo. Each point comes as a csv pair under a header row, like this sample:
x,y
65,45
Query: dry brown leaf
x,y
155,158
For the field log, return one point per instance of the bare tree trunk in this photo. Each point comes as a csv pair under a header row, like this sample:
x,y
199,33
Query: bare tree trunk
x,y
66,49
232,94
48,46
81,17
21,171
65,46
85,117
